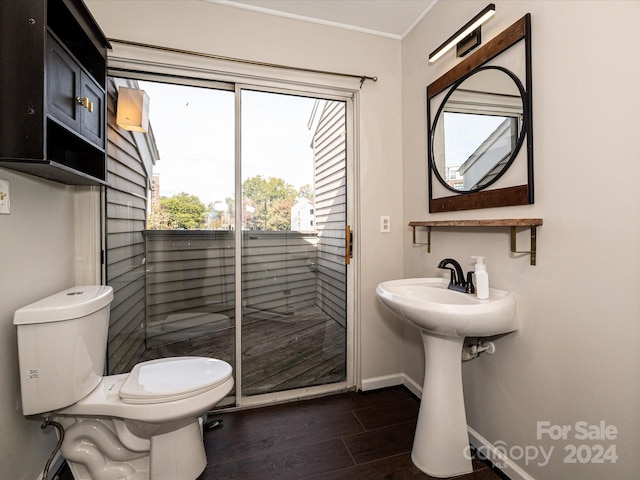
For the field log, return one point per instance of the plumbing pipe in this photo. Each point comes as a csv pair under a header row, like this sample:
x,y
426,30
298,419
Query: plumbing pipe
x,y
60,429
473,351
488,347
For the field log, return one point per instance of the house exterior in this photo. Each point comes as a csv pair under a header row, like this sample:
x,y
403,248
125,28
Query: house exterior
x,y
302,215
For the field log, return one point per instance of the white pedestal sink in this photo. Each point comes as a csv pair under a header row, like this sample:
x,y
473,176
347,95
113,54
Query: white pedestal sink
x,y
445,317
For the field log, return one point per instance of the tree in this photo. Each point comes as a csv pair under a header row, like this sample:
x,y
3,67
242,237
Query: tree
x,y
306,191
158,219
271,200
180,212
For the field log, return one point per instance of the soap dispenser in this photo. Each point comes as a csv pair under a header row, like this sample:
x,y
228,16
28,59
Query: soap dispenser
x,y
482,278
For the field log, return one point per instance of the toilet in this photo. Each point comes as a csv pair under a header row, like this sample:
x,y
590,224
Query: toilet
x,y
146,424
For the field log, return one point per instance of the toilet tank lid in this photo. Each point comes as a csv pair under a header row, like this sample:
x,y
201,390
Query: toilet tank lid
x,y
71,303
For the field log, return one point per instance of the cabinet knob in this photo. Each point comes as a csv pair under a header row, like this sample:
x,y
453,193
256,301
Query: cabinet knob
x,y
85,102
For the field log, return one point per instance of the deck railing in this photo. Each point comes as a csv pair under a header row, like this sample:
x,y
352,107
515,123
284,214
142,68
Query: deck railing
x,y
190,279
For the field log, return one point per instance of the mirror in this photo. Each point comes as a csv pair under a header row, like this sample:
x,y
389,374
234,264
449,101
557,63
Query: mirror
x,y
483,116
478,129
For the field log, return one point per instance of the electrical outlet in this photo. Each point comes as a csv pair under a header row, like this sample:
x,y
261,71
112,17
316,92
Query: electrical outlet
x,y
5,205
385,224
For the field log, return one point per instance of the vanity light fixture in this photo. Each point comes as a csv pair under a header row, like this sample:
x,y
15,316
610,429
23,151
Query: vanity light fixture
x,y
133,109
467,38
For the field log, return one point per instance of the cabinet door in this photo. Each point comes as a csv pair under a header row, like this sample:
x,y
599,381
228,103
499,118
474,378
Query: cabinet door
x,y
92,119
73,97
63,86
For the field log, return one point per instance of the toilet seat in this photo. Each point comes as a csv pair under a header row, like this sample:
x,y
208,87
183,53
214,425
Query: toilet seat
x,y
169,379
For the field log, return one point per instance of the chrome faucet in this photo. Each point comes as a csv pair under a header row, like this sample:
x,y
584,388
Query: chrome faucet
x,y
457,282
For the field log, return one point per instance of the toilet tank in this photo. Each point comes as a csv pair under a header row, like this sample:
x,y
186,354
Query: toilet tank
x,y
62,346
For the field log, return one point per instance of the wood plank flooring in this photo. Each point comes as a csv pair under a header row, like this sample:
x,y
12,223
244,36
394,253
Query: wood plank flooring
x,y
347,436
279,352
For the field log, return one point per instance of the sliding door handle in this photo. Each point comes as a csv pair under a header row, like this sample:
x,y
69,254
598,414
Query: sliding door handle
x,y
349,245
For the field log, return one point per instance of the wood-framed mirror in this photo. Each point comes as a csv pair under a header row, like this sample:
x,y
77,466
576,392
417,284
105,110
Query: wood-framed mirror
x,y
480,136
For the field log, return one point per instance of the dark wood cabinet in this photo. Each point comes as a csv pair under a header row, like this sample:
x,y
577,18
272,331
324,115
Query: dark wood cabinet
x,y
74,98
52,91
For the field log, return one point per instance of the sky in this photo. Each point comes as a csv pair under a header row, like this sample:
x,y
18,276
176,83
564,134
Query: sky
x,y
465,133
194,132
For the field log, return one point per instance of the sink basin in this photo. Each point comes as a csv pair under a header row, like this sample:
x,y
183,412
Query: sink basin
x,y
430,306
445,317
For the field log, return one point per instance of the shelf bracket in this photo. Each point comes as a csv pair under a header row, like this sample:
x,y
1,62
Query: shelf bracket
x,y
428,242
532,251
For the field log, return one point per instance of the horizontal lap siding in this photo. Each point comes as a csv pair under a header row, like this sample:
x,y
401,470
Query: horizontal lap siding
x,y
188,272
190,275
330,210
278,270
125,249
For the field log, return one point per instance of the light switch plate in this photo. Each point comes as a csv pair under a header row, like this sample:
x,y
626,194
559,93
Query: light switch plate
x,y
5,205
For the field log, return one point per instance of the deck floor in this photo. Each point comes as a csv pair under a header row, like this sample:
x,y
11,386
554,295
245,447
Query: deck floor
x,y
279,352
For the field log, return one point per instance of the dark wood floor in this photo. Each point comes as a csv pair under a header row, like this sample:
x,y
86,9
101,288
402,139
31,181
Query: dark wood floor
x,y
279,352
348,436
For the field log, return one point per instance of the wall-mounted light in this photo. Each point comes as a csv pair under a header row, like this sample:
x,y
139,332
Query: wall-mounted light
x,y
467,38
133,109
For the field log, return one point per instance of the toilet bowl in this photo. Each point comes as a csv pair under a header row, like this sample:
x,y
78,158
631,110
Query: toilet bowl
x,y
146,424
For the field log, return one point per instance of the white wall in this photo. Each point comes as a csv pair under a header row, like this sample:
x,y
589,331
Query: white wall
x,y
574,358
36,260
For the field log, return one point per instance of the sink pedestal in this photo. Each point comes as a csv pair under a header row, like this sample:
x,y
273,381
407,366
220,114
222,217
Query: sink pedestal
x,y
441,443
445,317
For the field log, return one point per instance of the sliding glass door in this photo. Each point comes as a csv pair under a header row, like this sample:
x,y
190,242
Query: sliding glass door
x,y
241,254
293,164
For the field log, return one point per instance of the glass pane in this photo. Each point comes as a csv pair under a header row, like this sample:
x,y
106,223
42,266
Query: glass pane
x,y
294,215
190,245
125,219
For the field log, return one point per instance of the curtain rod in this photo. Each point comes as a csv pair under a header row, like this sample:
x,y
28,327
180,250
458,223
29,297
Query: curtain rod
x,y
362,78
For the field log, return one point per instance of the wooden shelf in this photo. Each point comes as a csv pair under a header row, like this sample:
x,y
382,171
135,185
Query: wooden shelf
x,y
512,223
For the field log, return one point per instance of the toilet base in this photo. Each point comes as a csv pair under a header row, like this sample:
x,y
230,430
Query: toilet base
x,y
93,450
170,460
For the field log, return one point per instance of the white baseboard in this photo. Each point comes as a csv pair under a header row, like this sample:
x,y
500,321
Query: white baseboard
x,y
413,387
392,381
381,382
495,456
